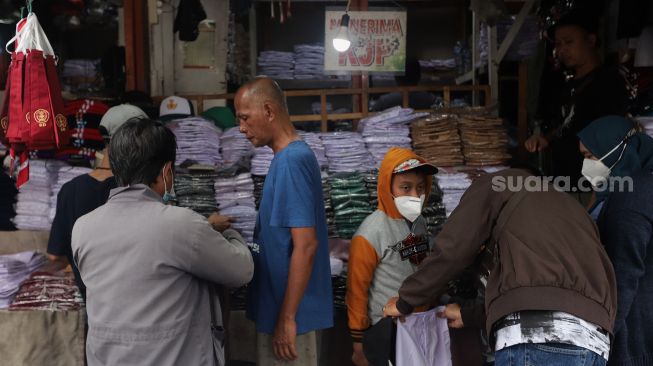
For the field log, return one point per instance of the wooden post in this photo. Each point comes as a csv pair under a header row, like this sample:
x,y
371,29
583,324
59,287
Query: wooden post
x,y
323,110
522,113
136,45
200,105
359,81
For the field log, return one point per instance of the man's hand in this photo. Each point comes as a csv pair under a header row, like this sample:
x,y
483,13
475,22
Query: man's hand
x,y
452,314
283,340
220,223
536,143
390,309
358,357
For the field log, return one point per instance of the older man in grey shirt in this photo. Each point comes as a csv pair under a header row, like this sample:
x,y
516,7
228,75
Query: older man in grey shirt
x,y
148,266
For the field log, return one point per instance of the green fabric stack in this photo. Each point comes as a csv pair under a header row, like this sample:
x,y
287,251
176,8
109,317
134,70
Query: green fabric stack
x,y
351,202
371,181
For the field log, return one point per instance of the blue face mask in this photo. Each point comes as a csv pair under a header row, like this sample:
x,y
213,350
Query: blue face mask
x,y
169,195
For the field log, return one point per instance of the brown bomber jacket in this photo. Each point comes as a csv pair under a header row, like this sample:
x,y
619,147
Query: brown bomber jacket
x,y
549,255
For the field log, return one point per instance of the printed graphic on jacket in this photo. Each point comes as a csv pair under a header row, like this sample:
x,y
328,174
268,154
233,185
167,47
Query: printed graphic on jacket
x,y
414,248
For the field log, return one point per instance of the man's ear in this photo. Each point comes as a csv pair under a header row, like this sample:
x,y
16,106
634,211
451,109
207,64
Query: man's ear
x,y
268,110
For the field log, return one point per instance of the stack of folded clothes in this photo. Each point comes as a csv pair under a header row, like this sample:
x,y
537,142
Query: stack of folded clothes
x,y
34,197
346,152
84,118
235,146
387,129
235,198
328,206
436,139
434,211
276,64
485,140
194,190
262,160
14,269
351,202
198,141
51,290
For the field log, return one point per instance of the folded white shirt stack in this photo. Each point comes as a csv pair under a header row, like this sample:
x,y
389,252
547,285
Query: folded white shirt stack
x,y
14,269
33,207
388,129
198,140
235,146
235,198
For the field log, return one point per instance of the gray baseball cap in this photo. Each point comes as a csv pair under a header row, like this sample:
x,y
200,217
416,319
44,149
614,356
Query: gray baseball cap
x,y
117,116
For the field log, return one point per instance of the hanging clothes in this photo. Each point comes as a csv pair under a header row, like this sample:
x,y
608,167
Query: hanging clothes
x,y
189,15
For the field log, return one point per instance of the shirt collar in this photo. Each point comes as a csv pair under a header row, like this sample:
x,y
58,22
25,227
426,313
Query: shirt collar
x,y
134,192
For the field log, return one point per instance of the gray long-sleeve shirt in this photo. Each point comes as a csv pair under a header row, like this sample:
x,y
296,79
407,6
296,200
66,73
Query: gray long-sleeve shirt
x,y
147,267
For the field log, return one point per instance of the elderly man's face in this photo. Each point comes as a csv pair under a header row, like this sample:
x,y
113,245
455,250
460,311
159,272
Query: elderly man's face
x,y
252,119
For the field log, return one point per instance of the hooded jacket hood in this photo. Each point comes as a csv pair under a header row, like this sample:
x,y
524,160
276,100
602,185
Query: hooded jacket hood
x,y
391,160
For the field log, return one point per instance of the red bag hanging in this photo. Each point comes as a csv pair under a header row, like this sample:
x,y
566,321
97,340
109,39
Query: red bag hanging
x,y
35,119
61,130
41,115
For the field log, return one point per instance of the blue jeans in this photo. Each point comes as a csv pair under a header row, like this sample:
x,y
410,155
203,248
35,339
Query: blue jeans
x,y
547,354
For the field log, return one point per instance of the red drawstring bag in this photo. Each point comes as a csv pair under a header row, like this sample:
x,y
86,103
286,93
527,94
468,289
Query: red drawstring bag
x,y
33,108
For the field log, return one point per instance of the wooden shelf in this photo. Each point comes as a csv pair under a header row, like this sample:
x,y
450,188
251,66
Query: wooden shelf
x,y
292,84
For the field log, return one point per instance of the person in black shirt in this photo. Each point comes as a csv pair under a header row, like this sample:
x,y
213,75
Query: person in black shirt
x,y
595,90
86,192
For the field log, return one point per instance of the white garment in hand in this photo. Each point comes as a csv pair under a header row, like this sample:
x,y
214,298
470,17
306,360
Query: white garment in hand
x,y
423,340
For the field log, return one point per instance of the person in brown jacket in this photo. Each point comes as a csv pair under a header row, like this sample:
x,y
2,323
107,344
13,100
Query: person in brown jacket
x,y
551,292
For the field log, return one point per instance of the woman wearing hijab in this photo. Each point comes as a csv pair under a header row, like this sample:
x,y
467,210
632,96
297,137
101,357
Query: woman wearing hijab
x,y
614,147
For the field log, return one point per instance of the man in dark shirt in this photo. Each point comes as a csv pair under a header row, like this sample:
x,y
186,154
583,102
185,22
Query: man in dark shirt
x,y
596,90
86,192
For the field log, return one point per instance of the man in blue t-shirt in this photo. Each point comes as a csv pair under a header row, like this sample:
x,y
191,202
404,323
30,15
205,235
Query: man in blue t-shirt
x,y
290,296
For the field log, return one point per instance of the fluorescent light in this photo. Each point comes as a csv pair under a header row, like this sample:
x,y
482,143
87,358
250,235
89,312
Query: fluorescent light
x,y
341,41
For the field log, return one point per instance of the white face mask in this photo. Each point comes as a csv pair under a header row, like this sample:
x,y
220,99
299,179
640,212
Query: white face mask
x,y
595,171
410,207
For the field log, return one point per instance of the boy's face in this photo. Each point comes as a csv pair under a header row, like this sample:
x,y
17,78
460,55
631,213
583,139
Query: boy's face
x,y
409,183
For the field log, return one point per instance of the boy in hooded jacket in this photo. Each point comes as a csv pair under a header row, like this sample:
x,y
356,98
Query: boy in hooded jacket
x,y
390,243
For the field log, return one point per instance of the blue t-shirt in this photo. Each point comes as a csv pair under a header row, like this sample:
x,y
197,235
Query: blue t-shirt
x,y
292,197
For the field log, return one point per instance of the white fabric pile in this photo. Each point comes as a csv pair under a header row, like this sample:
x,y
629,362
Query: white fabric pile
x,y
346,152
14,269
198,140
315,143
235,198
262,160
388,129
33,207
453,187
276,64
235,146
